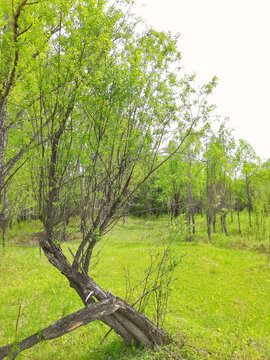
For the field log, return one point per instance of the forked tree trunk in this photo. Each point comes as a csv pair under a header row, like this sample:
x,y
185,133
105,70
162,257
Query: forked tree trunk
x,y
131,325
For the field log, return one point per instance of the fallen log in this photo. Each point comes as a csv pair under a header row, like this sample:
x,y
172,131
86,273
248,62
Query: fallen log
x,y
67,324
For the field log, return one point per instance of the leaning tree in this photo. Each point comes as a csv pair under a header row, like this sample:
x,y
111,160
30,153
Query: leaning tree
x,y
107,94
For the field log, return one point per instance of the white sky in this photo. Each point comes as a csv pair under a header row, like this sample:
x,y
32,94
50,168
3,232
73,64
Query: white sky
x,y
230,39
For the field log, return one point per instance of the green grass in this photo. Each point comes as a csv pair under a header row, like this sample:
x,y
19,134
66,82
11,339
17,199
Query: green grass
x,y
218,309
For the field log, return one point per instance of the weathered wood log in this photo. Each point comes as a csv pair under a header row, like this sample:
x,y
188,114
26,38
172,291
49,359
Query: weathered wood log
x,y
67,324
113,311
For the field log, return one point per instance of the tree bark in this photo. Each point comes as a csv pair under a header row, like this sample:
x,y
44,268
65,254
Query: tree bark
x,y
223,222
131,325
2,144
208,218
127,322
193,223
249,199
238,218
214,223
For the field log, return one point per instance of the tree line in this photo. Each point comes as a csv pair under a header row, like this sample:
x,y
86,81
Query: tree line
x,y
213,176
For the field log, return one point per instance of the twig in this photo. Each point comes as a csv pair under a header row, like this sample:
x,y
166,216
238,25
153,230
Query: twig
x,y
76,262
105,336
151,290
204,352
29,357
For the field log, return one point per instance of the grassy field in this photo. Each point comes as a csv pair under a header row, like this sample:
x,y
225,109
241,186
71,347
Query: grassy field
x,y
218,308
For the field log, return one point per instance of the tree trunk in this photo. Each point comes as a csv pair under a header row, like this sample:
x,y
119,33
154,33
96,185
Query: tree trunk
x,y
4,231
249,216
201,202
188,226
190,210
238,218
223,221
131,325
2,144
231,202
209,195
214,224
209,226
175,206
193,223
249,200
3,217
127,322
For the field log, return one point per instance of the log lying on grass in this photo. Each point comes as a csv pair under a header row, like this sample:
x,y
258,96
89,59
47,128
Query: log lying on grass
x,y
71,322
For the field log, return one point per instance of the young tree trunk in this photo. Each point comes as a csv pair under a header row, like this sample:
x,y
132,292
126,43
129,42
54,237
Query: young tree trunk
x,y
188,226
209,204
208,218
2,144
175,206
249,200
214,224
4,232
238,218
231,202
190,198
249,216
3,217
193,223
201,202
223,221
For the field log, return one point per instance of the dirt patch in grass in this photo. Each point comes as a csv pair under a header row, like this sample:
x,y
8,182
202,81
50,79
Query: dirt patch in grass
x,y
32,239
27,239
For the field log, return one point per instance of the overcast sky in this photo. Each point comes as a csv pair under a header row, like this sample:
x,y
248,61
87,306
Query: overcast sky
x,y
230,39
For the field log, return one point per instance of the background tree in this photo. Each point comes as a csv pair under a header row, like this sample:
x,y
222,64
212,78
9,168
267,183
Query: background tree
x,y
246,158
